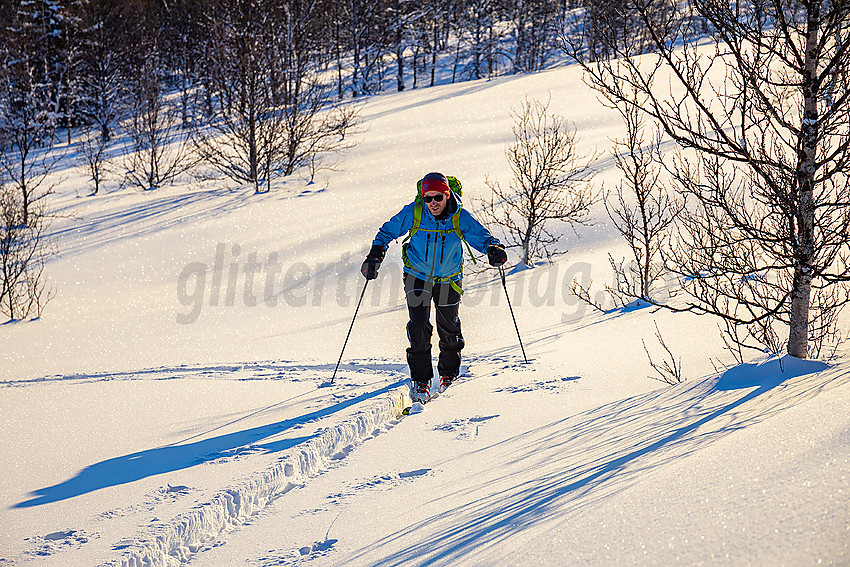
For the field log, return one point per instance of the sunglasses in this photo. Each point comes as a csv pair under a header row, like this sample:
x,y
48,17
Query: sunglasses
x,y
429,198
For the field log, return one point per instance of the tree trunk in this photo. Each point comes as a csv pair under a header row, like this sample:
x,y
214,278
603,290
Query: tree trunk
x,y
457,62
399,55
338,60
434,53
252,148
399,47
526,242
520,37
804,243
355,49
25,194
415,69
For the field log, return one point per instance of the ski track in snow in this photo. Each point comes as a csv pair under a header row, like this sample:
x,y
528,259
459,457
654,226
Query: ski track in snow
x,y
175,542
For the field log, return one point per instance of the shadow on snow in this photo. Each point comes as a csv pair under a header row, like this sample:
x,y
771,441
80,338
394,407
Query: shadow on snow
x,y
151,462
584,459
269,370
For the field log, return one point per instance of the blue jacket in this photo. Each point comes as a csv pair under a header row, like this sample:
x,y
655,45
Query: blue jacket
x,y
435,255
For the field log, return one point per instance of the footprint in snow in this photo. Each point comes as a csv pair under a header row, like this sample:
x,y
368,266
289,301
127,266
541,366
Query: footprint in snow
x,y
123,544
380,482
555,384
467,427
318,547
277,558
56,536
53,542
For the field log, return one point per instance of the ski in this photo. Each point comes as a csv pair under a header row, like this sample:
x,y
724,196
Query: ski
x,y
419,407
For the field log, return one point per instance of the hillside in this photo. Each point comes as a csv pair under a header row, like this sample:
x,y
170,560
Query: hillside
x,y
165,407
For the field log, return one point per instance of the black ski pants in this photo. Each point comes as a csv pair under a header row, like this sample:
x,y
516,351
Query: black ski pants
x,y
420,294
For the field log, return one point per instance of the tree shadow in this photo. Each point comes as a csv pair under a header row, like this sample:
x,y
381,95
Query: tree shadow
x,y
143,464
560,469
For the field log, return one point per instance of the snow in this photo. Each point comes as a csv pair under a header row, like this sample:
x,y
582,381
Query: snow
x,y
166,408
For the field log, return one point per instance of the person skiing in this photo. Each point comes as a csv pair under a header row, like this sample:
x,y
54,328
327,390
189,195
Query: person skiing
x,y
436,225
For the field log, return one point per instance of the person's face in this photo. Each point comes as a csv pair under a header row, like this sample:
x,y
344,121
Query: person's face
x,y
436,207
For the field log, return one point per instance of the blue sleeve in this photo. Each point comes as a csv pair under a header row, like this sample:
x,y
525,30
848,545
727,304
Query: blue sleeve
x,y
475,233
400,224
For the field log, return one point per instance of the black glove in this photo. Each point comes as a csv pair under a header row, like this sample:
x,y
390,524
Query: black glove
x,y
373,260
496,254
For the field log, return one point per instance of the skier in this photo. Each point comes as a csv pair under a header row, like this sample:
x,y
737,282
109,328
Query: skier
x,y
436,225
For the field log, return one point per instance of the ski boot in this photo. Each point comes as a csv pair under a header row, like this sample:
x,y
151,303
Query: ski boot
x,y
420,392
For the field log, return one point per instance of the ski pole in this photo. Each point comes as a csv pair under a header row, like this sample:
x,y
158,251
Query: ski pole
x,y
362,293
505,286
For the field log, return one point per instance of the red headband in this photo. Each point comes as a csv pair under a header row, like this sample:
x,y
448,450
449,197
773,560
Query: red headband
x,y
435,182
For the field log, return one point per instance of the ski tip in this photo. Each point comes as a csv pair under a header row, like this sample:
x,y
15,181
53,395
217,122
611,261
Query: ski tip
x,y
417,407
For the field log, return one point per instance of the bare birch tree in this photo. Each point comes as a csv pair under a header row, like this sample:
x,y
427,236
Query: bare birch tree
x,y
159,152
24,249
92,149
273,115
27,125
762,115
549,182
641,209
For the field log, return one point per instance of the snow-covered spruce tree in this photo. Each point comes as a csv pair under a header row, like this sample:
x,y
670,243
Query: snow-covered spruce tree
x,y
549,183
762,115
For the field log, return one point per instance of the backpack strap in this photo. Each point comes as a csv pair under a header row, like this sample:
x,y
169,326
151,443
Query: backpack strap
x,y
418,208
456,225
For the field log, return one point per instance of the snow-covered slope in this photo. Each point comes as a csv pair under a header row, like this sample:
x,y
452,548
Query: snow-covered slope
x,y
167,407
724,468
